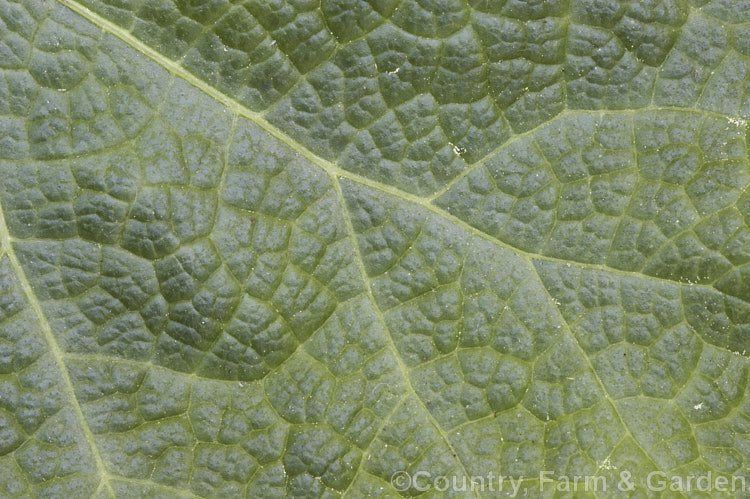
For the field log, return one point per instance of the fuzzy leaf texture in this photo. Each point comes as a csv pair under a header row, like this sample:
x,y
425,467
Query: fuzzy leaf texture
x,y
287,248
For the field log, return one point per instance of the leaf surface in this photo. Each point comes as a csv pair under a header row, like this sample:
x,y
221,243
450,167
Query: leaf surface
x,y
290,248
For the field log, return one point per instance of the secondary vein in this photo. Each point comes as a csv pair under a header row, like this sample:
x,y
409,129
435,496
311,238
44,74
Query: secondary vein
x,y
54,348
381,319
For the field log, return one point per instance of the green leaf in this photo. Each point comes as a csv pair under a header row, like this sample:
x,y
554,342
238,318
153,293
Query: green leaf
x,y
291,248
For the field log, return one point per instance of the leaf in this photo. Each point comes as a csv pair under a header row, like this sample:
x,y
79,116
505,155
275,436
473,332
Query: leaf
x,y
292,248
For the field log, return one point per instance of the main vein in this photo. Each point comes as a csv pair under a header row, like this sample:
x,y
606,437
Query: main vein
x,y
334,170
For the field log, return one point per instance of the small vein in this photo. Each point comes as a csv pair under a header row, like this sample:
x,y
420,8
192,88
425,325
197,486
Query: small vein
x,y
586,359
144,364
366,450
515,138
